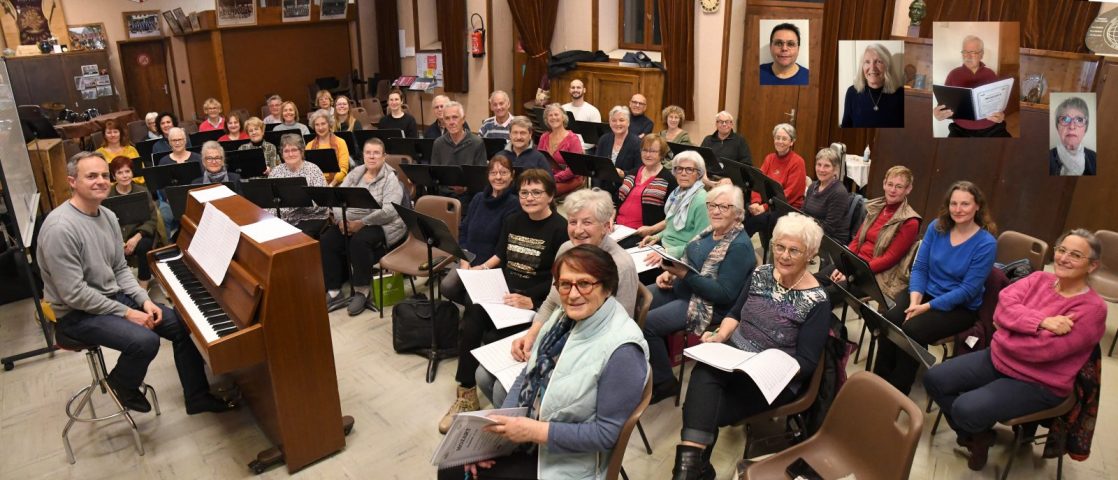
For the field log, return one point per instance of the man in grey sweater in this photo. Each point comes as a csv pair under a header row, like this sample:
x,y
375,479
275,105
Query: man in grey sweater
x,y
97,300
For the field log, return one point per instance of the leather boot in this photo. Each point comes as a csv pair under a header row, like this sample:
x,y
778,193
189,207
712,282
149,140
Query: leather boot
x,y
466,401
979,446
688,463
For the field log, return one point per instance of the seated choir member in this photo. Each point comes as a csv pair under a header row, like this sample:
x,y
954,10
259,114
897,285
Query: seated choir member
x,y
255,129
645,190
344,120
589,222
497,126
213,167
234,127
578,405
726,143
397,116
782,306
481,227
138,237
153,128
673,125
275,110
621,145
289,116
948,279
325,139
787,168
827,200
372,232
1047,325
458,146
116,142
519,149
97,300
639,123
685,213
525,251
214,121
682,300
311,220
166,122
323,100
556,140
178,140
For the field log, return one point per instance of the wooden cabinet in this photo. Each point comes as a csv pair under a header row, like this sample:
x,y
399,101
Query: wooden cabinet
x,y
610,84
50,78
48,162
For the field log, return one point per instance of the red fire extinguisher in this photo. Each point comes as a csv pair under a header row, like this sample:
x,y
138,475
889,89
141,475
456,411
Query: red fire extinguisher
x,y
477,37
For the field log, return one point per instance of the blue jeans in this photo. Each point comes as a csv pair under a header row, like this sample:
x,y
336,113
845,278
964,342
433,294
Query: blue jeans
x,y
667,315
138,345
491,387
974,396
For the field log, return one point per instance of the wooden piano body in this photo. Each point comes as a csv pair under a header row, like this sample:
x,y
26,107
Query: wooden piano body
x,y
281,356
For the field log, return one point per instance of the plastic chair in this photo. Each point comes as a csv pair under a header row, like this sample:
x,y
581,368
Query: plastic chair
x,y
1016,245
1105,278
395,160
864,434
640,314
618,454
412,254
137,130
374,109
793,410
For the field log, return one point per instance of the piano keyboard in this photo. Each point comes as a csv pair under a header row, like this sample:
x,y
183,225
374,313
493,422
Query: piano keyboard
x,y
198,304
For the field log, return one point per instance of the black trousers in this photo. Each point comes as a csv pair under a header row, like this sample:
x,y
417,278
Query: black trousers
x,y
517,466
896,366
366,247
716,399
141,254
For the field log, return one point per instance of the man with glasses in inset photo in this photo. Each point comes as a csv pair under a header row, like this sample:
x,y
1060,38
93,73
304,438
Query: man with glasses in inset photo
x,y
972,73
784,44
1071,156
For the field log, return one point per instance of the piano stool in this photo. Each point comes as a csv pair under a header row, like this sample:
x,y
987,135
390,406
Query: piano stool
x,y
99,375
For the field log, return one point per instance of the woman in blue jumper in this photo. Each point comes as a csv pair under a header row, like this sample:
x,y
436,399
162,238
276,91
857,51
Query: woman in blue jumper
x,y
947,282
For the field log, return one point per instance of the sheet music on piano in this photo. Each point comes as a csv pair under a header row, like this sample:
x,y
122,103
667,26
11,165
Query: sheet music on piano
x,y
214,243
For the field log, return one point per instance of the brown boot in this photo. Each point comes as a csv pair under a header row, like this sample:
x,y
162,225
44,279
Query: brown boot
x,y
979,446
466,402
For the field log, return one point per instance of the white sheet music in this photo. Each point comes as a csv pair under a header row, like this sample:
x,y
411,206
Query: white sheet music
x,y
214,243
269,229
771,369
467,442
991,98
211,194
497,358
621,232
504,316
487,288
638,254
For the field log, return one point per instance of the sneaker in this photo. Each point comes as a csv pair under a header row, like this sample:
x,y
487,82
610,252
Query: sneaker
x,y
357,304
334,302
466,402
130,398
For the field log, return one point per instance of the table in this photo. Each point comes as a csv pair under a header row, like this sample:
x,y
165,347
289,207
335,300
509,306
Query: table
x,y
857,170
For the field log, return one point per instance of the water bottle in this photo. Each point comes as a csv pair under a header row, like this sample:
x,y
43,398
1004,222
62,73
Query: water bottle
x,y
866,154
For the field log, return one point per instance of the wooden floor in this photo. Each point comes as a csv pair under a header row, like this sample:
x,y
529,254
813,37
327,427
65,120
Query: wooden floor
x,y
396,413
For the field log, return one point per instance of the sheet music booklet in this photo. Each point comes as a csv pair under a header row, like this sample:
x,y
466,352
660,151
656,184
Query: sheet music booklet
x,y
466,442
771,369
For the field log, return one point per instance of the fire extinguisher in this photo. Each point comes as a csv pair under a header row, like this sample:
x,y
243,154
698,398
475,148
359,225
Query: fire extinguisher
x,y
477,37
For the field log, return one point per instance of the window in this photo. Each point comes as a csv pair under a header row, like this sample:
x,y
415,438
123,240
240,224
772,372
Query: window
x,y
639,25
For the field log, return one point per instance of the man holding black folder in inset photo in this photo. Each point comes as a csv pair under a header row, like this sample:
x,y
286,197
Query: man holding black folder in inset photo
x,y
972,73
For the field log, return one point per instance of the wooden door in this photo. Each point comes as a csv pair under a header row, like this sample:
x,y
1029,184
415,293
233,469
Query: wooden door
x,y
144,64
763,107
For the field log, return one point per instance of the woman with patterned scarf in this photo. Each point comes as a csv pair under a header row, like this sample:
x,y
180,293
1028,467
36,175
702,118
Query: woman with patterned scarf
x,y
782,306
213,161
584,378
684,300
684,209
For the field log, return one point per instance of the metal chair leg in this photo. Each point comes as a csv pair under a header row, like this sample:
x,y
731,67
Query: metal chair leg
x,y
623,475
1112,342
861,337
1018,434
640,429
935,426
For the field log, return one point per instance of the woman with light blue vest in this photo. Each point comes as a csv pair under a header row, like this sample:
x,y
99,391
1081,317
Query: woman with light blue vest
x,y
584,378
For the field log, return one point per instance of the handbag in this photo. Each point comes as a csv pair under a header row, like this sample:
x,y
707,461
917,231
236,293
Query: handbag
x,y
411,326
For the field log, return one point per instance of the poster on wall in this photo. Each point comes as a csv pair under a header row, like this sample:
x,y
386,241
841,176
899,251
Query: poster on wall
x,y
235,12
29,22
87,37
296,10
430,65
145,24
172,22
333,9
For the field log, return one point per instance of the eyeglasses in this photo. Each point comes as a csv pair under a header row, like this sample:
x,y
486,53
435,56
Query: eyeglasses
x,y
780,249
1066,120
782,44
1075,255
531,193
724,122
500,173
634,102
968,53
214,159
687,170
721,207
176,140
649,151
585,287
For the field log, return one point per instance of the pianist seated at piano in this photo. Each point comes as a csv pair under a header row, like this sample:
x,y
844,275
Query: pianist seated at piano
x,y
138,237
311,220
371,232
98,301
213,167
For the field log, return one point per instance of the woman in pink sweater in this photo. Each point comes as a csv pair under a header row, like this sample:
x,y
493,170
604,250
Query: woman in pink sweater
x,y
1047,324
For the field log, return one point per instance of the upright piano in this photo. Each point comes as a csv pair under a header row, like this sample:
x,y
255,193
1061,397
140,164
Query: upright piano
x,y
266,325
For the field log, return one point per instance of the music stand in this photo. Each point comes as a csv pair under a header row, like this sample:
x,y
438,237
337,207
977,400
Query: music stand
x,y
737,173
176,196
198,138
591,132
880,326
130,209
418,148
248,163
273,137
477,177
435,234
193,149
493,145
162,176
270,126
233,145
350,143
448,175
145,149
709,158
765,186
592,166
266,192
362,136
344,198
325,159
782,208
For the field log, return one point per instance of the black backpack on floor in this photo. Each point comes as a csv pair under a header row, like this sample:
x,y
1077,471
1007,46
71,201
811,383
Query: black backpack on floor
x,y
411,326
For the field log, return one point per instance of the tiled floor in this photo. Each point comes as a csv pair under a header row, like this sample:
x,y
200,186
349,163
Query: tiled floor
x,y
396,414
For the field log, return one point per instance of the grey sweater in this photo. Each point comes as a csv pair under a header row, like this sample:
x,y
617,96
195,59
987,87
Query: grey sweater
x,y
82,261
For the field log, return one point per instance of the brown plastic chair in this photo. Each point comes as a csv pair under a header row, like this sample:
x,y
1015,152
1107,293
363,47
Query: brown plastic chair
x,y
640,312
794,410
864,434
1016,245
412,254
618,454
1105,278
395,160
373,108
189,126
137,130
1020,438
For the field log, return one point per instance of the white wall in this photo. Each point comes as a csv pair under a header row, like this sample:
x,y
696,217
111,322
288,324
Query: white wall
x,y
850,64
766,28
1090,97
947,42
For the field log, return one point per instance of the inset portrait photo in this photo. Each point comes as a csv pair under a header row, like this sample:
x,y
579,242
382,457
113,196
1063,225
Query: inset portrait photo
x,y
784,51
974,78
1072,135
871,83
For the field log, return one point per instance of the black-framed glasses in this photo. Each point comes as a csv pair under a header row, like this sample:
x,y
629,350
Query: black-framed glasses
x,y
720,207
782,44
585,287
687,170
531,193
1066,120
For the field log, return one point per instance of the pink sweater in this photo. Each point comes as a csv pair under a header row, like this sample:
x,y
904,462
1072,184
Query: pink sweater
x,y
1023,350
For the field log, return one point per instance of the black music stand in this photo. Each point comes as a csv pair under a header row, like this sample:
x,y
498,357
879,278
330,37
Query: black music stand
x,y
198,138
176,196
737,173
591,132
477,177
709,158
248,163
493,145
344,198
325,159
130,209
193,148
882,327
448,175
782,208
435,234
163,176
362,136
233,145
418,148
350,143
269,192
270,126
765,186
273,137
144,148
592,167
420,176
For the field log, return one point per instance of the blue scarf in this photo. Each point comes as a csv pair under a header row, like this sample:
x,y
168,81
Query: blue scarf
x,y
679,203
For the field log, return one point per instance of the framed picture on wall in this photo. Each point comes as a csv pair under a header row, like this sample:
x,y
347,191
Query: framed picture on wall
x,y
172,22
184,22
143,24
333,10
232,13
90,36
296,10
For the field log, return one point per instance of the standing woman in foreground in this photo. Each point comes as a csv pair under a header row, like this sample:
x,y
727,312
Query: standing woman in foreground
x,y
947,281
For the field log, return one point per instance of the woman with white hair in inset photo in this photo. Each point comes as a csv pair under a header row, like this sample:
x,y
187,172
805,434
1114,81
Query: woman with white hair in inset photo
x,y
876,100
1070,156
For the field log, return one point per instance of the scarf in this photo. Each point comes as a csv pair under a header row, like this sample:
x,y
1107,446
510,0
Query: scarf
x,y
1072,162
218,177
700,310
536,379
679,203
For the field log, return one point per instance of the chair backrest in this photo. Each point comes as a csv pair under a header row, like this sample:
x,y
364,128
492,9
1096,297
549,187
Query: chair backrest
x,y
618,454
71,147
855,215
1016,245
644,304
1105,278
395,160
97,138
373,108
137,130
873,426
983,328
189,126
447,209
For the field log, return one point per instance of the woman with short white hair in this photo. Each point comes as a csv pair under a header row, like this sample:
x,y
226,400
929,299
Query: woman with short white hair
x,y
685,210
620,145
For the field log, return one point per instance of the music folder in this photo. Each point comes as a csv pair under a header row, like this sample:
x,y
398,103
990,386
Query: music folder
x,y
974,103
130,209
325,159
248,163
592,166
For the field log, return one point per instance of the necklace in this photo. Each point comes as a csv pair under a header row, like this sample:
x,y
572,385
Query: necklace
x,y
781,290
875,102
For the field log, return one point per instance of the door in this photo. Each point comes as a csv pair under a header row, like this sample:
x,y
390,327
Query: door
x,y
144,65
763,107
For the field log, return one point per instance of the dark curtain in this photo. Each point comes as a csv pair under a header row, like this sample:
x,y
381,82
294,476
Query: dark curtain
x,y
535,22
847,19
451,21
1045,24
388,40
677,22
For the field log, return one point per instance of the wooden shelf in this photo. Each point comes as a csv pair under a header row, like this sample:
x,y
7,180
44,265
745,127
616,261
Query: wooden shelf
x,y
917,40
